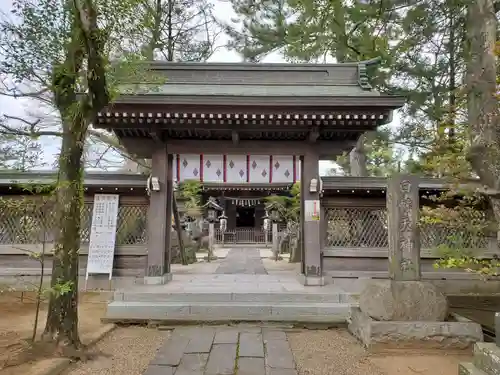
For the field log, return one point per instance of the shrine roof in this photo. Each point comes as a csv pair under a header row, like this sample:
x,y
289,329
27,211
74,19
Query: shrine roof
x,y
189,83
341,184
242,102
16,181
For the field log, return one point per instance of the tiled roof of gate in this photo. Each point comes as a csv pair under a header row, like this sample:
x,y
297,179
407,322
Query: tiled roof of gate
x,y
260,80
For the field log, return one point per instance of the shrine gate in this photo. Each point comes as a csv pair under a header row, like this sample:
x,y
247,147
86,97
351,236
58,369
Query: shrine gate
x,y
309,111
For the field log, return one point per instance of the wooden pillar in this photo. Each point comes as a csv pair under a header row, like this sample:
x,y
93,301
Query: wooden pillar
x,y
160,220
310,220
403,210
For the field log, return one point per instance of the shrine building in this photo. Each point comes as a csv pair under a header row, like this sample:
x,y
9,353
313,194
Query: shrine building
x,y
244,131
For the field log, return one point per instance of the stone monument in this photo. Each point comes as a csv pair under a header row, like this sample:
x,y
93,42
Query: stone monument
x,y
405,311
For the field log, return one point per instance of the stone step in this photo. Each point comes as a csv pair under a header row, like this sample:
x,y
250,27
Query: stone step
x,y
141,311
469,369
233,297
487,357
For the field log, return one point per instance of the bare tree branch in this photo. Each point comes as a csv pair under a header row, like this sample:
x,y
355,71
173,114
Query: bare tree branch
x,y
31,132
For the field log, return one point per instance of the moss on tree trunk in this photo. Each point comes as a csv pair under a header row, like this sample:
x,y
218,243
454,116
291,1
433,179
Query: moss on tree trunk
x,y
62,318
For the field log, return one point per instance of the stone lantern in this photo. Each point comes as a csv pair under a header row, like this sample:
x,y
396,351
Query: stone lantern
x,y
212,209
223,225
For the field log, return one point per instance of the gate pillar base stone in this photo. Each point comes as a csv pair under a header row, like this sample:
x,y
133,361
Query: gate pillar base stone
x,y
312,280
157,280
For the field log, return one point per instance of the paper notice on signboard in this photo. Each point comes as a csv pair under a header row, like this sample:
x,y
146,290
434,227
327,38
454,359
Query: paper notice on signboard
x,y
103,234
312,210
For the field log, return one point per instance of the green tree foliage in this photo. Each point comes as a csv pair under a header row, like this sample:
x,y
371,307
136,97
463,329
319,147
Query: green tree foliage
x,y
420,45
287,207
189,191
59,52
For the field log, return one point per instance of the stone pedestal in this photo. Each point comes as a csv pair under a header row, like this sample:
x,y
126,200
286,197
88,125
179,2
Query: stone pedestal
x,y
405,311
378,335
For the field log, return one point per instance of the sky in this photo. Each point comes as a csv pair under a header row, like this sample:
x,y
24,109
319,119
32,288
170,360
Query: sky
x,y
222,9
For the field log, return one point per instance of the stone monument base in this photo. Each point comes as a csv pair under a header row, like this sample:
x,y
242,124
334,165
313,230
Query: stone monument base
x,y
380,335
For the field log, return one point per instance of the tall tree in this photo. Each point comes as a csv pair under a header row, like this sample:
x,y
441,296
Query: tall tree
x,y
165,30
419,43
58,52
482,95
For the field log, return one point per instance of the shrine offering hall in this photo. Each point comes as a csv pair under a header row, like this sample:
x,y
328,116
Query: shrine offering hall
x,y
244,130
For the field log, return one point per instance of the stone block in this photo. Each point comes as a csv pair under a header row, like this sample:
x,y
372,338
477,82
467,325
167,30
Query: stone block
x,y
251,366
171,353
226,336
487,357
378,335
201,341
280,371
222,360
223,312
469,369
251,345
159,370
146,310
192,364
312,312
279,355
272,334
403,301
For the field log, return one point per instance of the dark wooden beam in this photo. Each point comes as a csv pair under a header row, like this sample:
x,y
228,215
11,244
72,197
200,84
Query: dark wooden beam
x,y
328,150
235,137
155,134
285,103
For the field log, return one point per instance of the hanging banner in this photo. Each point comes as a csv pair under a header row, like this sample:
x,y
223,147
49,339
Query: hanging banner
x,y
103,235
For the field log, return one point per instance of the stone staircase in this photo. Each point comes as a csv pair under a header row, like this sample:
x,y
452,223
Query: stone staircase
x,y
330,307
486,360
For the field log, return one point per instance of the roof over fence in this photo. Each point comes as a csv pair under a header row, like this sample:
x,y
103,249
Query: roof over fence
x,y
91,179
130,180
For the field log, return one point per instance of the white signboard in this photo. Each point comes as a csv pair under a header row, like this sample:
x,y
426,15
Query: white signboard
x,y
312,210
103,235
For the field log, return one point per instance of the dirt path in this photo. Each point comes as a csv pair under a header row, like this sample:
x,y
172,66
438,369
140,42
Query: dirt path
x,y
16,326
128,351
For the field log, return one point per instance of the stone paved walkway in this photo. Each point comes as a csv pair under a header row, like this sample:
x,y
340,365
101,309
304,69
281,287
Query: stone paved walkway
x,y
242,261
224,351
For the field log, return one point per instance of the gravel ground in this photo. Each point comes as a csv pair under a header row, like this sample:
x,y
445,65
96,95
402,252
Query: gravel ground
x,y
127,351
330,352
337,352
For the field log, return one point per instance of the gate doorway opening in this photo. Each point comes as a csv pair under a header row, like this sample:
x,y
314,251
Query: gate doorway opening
x,y
245,217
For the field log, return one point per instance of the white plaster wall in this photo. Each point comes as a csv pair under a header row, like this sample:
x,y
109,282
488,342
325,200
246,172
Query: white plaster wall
x,y
236,168
213,168
283,168
189,167
259,168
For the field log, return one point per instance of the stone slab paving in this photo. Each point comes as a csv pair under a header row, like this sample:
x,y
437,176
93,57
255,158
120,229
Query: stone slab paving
x,y
224,350
242,261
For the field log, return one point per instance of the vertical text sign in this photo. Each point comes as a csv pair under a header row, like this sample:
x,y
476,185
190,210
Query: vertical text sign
x,y
103,234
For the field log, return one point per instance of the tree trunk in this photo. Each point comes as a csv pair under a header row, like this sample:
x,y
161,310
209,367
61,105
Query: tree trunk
x,y
482,106
357,159
62,318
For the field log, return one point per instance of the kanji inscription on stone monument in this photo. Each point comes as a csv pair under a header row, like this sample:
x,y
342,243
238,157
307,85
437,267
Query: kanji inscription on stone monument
x,y
402,222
